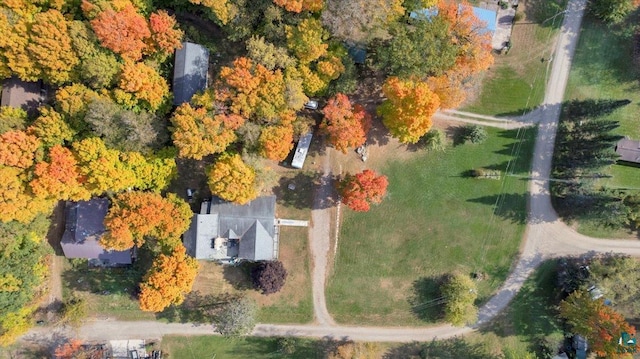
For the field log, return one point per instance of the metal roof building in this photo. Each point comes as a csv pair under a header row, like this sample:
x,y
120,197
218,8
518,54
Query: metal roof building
x,y
189,72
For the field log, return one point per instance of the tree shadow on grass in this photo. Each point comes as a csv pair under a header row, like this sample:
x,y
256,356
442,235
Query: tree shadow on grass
x,y
426,300
239,276
297,192
196,308
510,206
454,348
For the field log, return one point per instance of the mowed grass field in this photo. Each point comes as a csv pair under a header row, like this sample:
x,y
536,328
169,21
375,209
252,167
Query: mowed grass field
x,y
200,347
515,83
435,219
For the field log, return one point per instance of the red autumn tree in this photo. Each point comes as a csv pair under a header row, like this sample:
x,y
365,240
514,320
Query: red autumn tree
x,y
197,133
124,32
68,350
17,149
136,216
346,125
164,32
233,180
359,191
59,178
168,280
408,109
598,322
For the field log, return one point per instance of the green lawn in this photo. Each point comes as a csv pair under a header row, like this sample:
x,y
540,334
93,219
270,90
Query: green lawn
x,y
516,81
434,220
603,68
200,347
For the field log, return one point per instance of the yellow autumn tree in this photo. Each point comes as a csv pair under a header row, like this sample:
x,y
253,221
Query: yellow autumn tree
x,y
197,133
307,40
408,109
51,128
233,180
50,47
144,83
169,279
224,10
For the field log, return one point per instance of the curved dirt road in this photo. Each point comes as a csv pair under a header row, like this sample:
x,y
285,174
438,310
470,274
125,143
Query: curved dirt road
x,y
546,237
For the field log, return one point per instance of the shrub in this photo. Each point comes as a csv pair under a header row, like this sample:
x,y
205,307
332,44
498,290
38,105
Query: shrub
x,y
435,140
460,292
236,318
473,133
269,277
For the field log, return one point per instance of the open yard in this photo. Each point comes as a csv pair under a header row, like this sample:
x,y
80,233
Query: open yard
x,y
435,219
515,83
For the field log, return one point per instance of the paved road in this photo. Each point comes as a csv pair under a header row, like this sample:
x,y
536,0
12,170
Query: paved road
x,y
546,237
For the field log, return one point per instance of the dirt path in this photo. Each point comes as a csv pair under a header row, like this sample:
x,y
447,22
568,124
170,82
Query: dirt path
x,y
319,242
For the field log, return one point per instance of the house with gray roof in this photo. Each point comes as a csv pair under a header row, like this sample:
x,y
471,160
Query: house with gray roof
x,y
189,72
629,150
227,232
22,94
84,227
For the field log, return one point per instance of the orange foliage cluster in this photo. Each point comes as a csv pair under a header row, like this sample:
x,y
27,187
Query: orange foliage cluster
x,y
60,177
136,215
164,32
408,109
276,142
346,125
253,90
233,180
123,32
362,189
18,149
168,280
196,133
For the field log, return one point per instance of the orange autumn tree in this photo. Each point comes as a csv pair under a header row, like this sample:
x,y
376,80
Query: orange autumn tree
x,y
276,141
168,280
59,178
165,35
252,90
124,32
136,216
599,323
360,190
346,125
233,180
197,133
408,109
18,149
144,83
68,350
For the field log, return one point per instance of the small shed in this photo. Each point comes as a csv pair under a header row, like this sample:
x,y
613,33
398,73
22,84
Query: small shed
x,y
358,54
302,149
189,72
629,150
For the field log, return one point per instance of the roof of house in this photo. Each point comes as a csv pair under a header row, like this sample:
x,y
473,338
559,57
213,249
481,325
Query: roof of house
x,y
224,230
629,150
21,94
489,17
190,72
84,227
302,149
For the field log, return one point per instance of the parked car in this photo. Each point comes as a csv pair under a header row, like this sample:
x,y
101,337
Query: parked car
x,y
580,345
311,105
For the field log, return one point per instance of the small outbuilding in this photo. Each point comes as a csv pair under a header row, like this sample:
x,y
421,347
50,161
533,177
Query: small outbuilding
x,y
189,72
629,150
